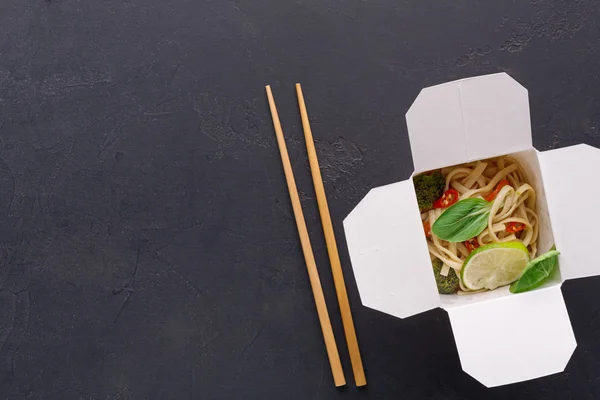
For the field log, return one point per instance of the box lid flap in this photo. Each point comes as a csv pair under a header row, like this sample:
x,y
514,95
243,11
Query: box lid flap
x,y
514,338
468,119
389,253
570,179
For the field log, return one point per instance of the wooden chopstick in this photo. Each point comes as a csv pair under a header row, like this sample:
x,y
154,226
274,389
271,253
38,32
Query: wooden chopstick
x,y
334,257
311,266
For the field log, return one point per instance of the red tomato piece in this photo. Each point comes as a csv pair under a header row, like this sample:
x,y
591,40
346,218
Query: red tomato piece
x,y
494,193
449,197
427,228
514,227
471,244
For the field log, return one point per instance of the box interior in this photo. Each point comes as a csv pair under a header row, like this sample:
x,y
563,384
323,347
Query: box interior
x,y
530,163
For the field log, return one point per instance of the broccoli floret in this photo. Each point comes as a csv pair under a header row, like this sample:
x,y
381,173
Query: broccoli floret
x,y
445,284
429,188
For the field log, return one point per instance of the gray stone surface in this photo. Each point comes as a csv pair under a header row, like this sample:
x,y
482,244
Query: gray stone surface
x,y
147,247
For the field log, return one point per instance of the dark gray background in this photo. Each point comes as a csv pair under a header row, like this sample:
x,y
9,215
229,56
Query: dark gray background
x,y
147,248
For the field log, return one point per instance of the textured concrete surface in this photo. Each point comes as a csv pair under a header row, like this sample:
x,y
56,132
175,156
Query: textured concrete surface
x,y
147,248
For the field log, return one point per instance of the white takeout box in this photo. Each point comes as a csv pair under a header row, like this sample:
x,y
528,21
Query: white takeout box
x,y
501,337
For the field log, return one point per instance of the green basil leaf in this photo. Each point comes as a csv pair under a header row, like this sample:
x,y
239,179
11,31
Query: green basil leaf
x,y
463,220
536,272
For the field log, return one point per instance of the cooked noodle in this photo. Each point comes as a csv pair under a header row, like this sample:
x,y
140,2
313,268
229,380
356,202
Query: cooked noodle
x,y
515,202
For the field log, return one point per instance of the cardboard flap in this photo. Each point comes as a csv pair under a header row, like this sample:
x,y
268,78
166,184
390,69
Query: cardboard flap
x,y
468,120
515,338
389,252
570,179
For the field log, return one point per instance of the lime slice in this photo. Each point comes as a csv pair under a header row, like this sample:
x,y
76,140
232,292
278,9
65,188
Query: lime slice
x,y
536,272
494,265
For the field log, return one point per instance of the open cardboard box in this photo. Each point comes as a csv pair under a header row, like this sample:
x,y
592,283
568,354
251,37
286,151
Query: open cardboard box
x,y
501,337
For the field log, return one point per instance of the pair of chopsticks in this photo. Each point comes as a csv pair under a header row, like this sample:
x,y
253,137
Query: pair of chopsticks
x,y
334,258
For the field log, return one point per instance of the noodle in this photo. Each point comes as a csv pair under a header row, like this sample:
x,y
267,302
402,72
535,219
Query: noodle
x,y
513,204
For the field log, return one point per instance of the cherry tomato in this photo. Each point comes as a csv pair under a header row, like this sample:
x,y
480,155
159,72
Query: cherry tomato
x,y
514,227
471,244
427,228
494,193
449,197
